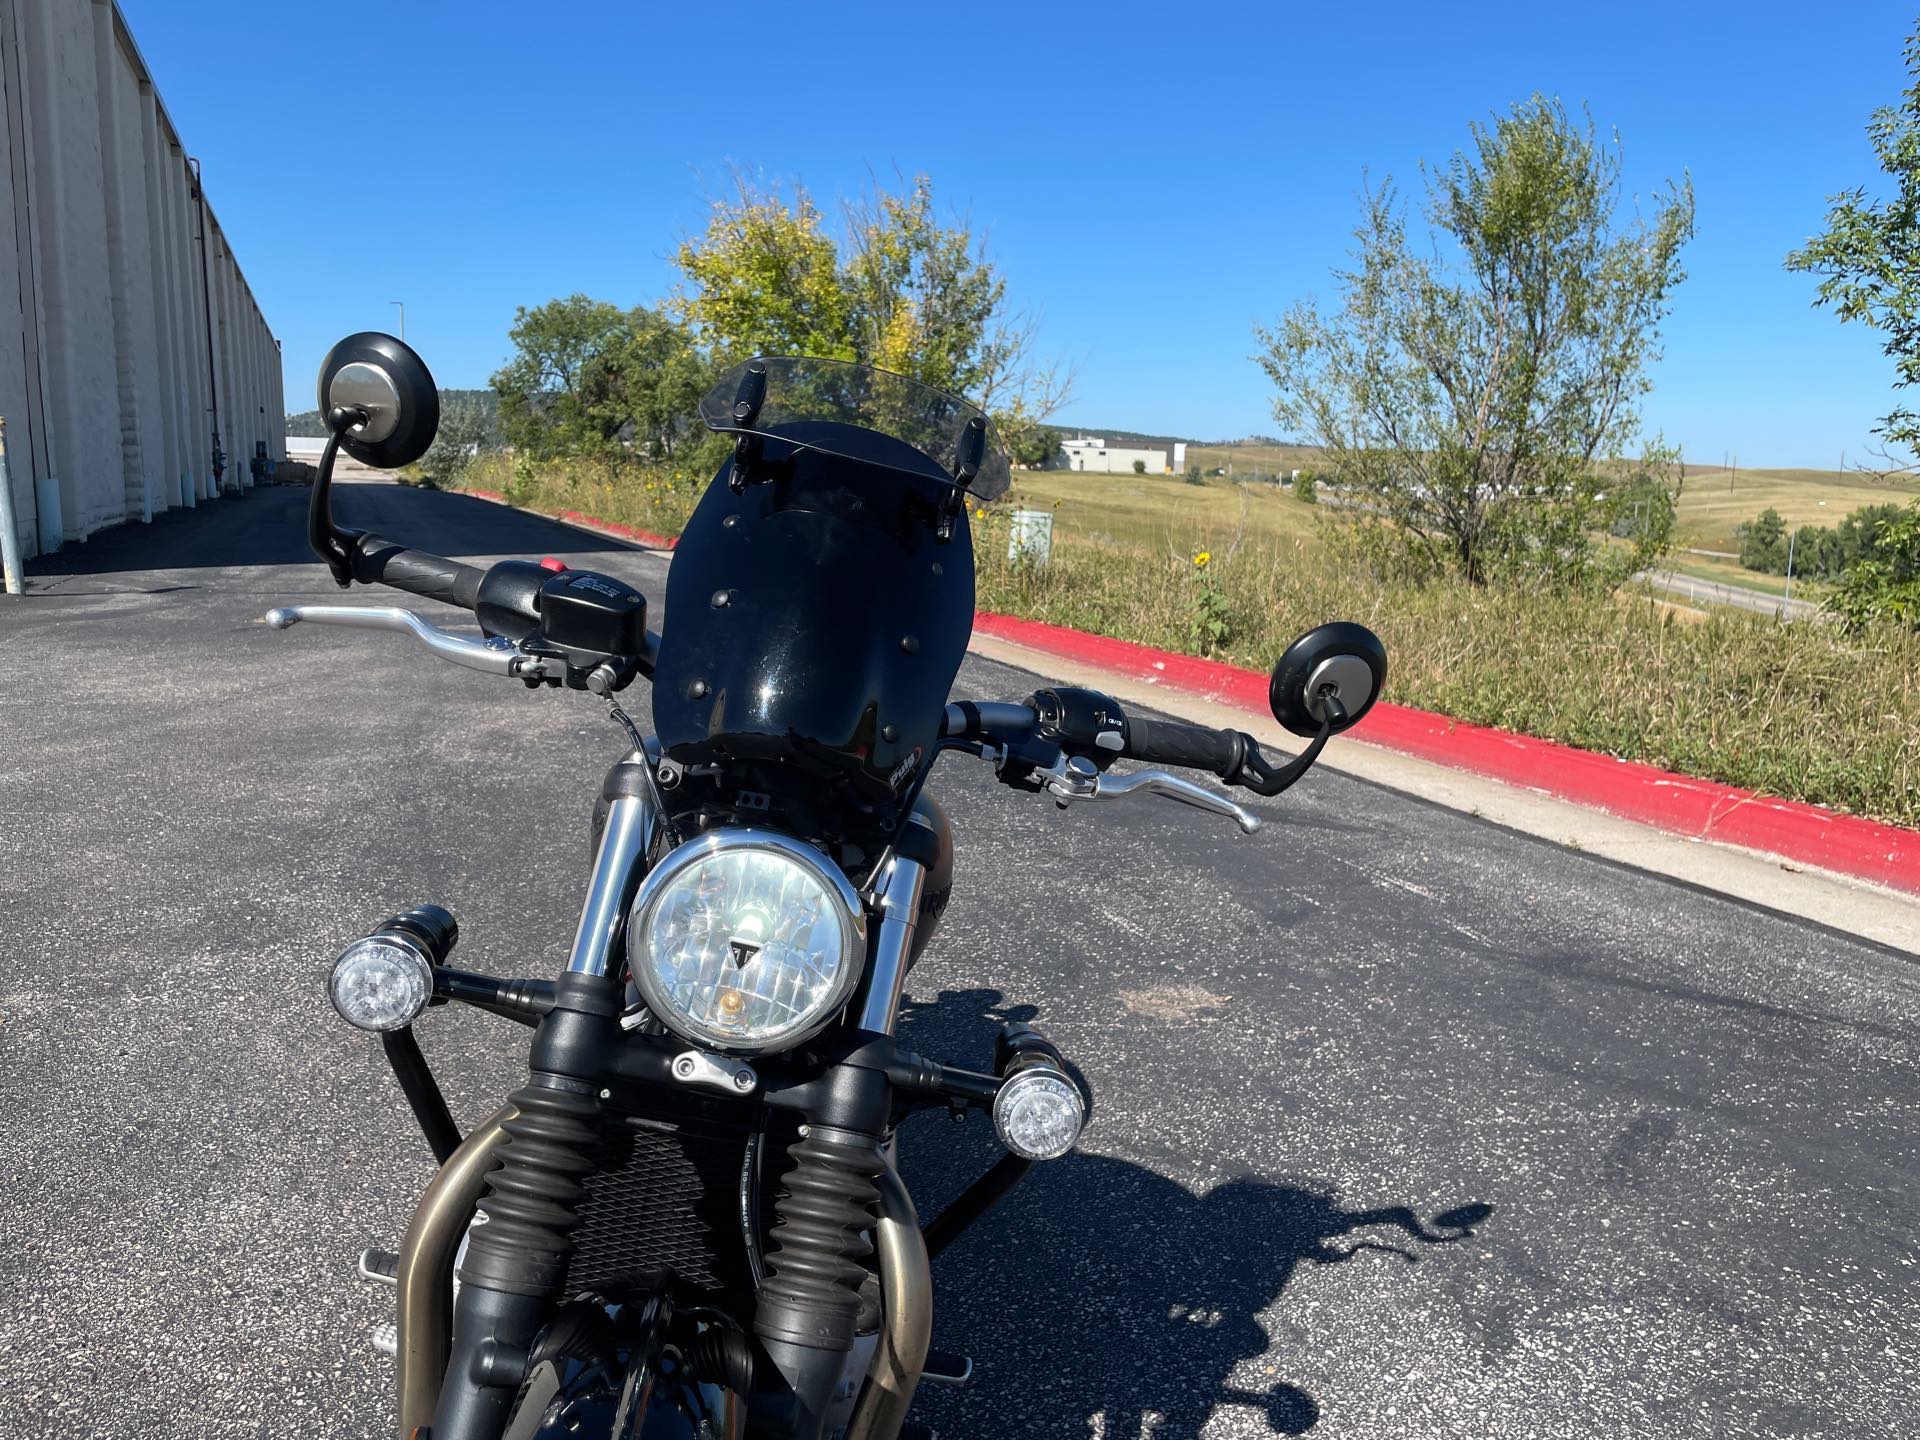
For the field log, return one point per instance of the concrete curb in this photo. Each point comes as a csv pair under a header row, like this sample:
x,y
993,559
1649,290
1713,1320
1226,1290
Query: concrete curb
x,y
1698,809
1848,906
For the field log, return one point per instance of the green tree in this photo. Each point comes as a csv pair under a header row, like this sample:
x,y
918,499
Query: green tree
x,y
1803,556
1885,585
1763,543
588,377
1194,477
764,278
1139,467
926,301
895,287
1028,441
1859,531
1481,407
468,427
1868,258
1820,553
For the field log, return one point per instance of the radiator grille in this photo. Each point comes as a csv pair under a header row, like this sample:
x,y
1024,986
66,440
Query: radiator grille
x,y
666,1198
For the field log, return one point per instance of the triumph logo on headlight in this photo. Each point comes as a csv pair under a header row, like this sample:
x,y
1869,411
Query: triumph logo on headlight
x,y
745,941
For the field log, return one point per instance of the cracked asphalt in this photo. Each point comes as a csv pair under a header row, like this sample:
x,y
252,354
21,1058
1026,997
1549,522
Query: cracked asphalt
x,y
1405,1125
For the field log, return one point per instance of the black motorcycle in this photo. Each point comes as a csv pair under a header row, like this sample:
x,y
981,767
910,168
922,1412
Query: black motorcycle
x,y
688,1222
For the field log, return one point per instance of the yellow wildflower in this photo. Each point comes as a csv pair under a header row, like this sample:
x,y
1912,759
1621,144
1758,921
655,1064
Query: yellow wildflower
x,y
1200,560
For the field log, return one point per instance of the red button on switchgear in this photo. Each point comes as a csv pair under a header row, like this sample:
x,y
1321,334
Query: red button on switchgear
x,y
558,567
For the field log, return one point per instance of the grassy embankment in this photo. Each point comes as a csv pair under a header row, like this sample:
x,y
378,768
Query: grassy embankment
x,y
1714,502
1794,710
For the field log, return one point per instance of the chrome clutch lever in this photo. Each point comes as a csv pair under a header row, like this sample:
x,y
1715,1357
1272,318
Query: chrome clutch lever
x,y
1077,779
497,656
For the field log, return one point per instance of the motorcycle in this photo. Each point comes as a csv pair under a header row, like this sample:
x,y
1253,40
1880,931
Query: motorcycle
x,y
689,1220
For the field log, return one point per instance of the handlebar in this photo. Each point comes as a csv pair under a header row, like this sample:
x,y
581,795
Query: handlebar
x,y
1169,742
1090,730
371,559
544,623
418,572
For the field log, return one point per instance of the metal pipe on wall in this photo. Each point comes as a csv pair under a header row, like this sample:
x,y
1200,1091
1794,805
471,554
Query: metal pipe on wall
x,y
9,537
206,296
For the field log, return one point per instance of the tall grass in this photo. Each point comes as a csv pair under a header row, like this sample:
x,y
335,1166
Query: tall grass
x,y
1795,710
656,497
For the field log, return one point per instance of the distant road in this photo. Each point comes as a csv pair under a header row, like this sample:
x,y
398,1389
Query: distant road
x,y
1713,592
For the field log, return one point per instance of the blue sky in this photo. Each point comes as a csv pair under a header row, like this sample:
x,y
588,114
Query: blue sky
x,y
1153,179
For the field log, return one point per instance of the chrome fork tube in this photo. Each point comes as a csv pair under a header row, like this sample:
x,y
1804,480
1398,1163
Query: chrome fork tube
x,y
898,900
632,823
906,1279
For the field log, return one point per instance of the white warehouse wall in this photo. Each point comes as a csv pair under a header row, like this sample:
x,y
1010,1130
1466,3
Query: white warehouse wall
x,y
111,404
1117,459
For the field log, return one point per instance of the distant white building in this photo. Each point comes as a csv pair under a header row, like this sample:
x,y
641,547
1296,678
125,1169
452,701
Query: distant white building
x,y
1091,452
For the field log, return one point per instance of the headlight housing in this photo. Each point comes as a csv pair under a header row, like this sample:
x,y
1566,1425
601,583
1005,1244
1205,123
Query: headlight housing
x,y
745,941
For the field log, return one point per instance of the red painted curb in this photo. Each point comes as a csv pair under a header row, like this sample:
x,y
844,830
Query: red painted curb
x,y
1702,809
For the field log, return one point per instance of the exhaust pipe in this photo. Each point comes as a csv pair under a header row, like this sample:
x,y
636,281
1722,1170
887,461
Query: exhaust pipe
x,y
423,1313
906,1327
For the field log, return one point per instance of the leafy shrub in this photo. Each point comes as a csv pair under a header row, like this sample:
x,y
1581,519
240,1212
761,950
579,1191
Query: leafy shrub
x,y
1883,587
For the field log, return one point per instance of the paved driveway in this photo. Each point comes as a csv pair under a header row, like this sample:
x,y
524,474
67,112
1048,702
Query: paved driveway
x,y
1406,1125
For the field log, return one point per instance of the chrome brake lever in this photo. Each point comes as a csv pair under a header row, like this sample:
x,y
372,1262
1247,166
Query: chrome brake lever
x,y
497,656
1077,779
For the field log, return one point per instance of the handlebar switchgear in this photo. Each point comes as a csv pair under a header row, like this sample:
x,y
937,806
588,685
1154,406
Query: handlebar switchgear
x,y
1081,722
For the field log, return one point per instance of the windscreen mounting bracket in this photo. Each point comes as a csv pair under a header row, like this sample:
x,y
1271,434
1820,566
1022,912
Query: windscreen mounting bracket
x,y
747,401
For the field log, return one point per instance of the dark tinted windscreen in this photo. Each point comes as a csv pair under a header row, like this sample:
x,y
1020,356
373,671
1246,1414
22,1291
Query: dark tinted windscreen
x,y
800,391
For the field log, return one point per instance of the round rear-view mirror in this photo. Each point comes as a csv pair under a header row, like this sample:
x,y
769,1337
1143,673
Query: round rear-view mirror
x,y
380,379
1341,660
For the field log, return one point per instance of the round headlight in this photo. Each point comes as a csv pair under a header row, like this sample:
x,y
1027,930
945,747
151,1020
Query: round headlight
x,y
380,983
745,940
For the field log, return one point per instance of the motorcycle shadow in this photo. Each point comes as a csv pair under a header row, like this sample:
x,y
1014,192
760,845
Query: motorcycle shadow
x,y
1103,1299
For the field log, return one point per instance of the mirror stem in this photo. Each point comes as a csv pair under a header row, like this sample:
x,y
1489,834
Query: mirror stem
x,y
1258,777
329,542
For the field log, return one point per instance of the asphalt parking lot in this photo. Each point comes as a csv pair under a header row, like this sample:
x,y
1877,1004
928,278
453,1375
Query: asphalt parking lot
x,y
1407,1125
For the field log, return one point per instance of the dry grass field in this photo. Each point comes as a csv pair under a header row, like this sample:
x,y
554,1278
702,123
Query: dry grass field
x,y
1160,511
1164,510
1715,501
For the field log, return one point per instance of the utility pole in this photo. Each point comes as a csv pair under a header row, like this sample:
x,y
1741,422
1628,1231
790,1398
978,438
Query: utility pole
x,y
403,316
1792,535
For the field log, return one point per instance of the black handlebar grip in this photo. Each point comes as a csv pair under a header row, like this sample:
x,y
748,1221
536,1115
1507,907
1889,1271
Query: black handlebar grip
x,y
1168,742
418,572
